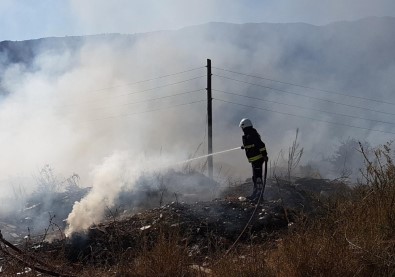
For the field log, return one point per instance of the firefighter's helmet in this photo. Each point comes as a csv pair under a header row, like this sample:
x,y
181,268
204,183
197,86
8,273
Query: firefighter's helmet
x,y
244,123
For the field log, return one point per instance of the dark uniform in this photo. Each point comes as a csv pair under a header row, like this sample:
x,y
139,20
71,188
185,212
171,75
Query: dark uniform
x,y
256,154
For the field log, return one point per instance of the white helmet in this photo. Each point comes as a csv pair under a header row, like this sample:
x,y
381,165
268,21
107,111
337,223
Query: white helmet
x,y
245,122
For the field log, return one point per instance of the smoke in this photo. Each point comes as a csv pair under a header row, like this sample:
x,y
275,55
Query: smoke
x,y
79,109
129,181
108,179
53,115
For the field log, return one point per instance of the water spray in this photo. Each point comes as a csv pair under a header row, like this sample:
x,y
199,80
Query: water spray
x,y
91,208
208,155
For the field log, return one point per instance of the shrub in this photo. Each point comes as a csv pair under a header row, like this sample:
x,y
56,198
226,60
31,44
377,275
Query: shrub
x,y
357,235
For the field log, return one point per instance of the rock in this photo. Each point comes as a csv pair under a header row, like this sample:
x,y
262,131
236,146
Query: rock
x,y
242,199
145,227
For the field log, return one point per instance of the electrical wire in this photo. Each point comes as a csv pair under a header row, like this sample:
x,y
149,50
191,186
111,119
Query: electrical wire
x,y
149,80
142,101
307,96
136,92
146,100
301,107
302,116
307,87
119,95
132,114
148,111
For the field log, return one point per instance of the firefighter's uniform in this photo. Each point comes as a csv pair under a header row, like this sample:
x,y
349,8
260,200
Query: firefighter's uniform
x,y
256,153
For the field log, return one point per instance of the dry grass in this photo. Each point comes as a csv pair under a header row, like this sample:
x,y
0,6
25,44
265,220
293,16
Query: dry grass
x,y
249,261
166,258
354,237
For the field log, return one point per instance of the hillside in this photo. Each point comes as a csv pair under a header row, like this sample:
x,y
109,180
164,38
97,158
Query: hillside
x,y
347,51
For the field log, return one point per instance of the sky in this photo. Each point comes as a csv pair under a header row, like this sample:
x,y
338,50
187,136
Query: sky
x,y
26,19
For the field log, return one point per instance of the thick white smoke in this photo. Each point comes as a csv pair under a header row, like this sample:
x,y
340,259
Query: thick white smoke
x,y
108,179
117,172
78,109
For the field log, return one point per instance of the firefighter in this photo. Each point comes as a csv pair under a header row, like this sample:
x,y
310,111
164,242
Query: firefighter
x,y
256,153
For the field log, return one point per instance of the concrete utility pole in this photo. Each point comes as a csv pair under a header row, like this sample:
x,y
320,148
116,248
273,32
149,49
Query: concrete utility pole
x,y
209,121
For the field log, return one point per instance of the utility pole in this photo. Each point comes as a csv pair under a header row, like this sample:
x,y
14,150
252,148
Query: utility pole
x,y
209,121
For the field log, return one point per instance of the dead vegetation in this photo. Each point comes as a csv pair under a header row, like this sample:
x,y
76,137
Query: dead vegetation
x,y
349,232
355,237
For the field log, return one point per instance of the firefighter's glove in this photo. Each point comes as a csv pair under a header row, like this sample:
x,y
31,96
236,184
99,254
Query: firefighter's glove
x,y
242,147
266,159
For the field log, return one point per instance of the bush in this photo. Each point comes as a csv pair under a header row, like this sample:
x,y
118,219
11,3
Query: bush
x,y
357,235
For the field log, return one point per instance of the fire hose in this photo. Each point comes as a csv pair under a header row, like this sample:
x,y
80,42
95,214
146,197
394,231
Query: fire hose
x,y
253,213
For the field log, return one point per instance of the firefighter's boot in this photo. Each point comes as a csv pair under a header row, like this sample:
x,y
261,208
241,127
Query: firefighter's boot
x,y
254,194
259,186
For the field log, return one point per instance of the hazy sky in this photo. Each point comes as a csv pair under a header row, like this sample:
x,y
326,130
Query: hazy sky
x,y
27,19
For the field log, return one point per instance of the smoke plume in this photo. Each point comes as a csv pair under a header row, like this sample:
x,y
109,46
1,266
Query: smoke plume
x,y
78,104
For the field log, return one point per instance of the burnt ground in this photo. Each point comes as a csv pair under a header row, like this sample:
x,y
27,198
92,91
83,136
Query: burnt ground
x,y
204,227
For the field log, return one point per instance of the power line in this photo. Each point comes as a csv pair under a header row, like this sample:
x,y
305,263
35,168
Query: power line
x,y
284,113
125,94
148,80
303,95
300,107
136,113
148,111
307,87
147,100
135,92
